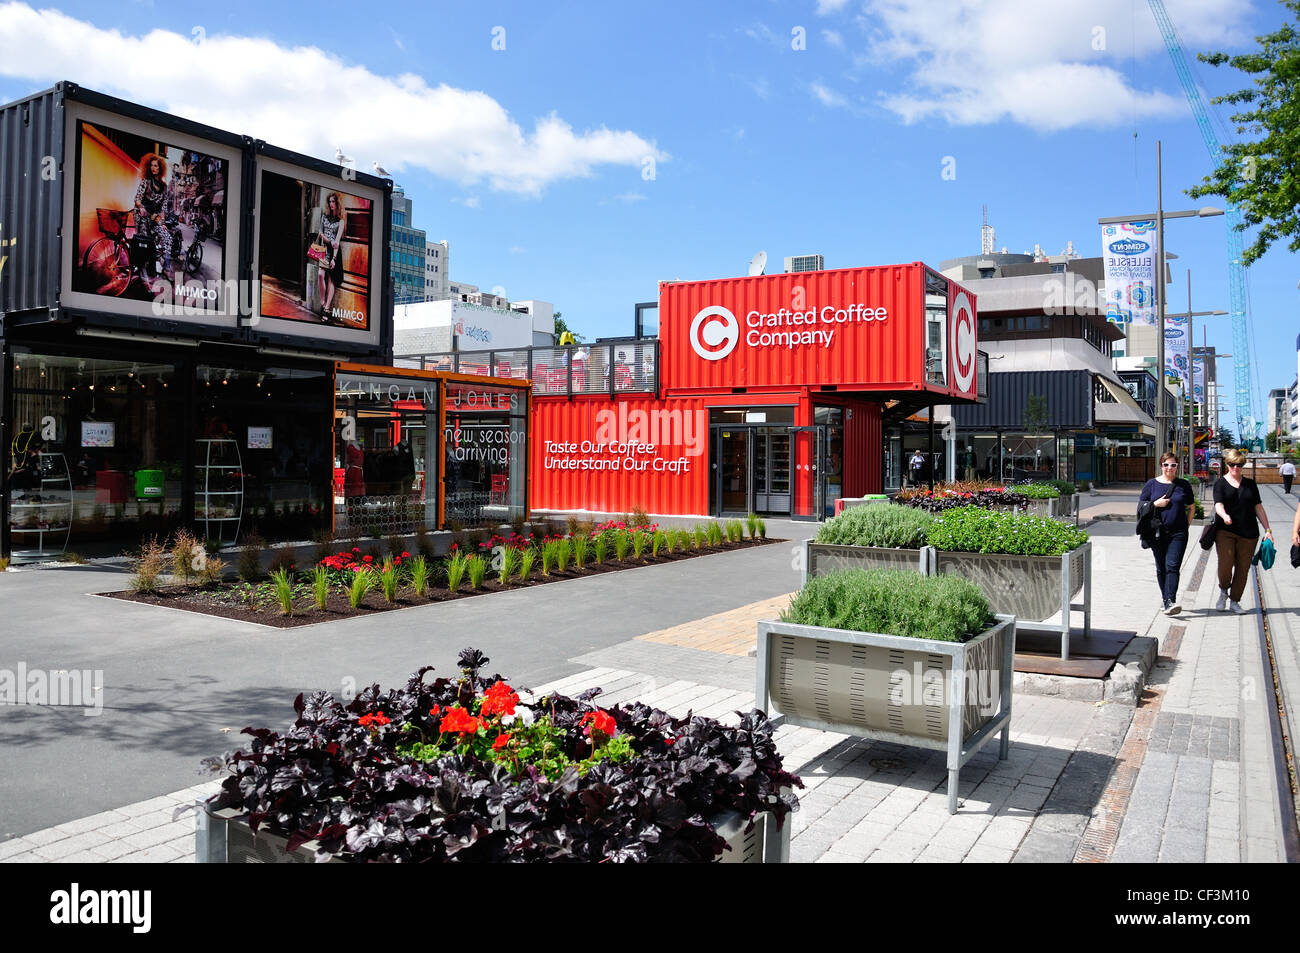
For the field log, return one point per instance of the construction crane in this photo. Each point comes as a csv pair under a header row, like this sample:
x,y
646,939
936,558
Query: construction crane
x,y
1246,419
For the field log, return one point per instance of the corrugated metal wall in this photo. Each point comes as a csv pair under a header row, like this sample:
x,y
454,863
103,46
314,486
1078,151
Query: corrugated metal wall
x,y
1068,394
863,446
31,187
886,354
680,440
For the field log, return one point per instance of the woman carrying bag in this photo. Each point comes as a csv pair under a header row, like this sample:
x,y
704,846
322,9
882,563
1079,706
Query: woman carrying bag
x,y
1169,497
1240,511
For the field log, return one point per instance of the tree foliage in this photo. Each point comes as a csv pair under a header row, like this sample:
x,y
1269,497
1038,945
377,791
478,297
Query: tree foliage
x,y
1259,176
561,328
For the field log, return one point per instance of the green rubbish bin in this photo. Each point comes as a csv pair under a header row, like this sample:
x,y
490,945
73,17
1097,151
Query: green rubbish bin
x,y
148,484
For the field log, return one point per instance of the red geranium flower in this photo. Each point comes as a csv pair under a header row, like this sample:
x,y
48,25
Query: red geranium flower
x,y
501,742
459,720
435,709
500,699
406,555
368,559
378,719
599,722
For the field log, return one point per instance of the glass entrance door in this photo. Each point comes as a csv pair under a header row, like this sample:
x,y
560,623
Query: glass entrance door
x,y
772,488
807,483
734,483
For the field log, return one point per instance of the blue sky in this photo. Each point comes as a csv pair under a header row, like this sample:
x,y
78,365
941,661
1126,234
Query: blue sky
x,y
609,146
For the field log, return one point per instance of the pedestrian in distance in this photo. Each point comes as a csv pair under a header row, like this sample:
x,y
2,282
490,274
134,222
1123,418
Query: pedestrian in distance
x,y
1287,469
1239,511
915,464
1170,497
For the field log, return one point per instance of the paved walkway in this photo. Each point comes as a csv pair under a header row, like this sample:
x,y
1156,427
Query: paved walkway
x,y
1187,776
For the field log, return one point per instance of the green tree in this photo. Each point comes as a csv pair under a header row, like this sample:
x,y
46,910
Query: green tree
x,y
1270,441
561,328
1259,176
1225,438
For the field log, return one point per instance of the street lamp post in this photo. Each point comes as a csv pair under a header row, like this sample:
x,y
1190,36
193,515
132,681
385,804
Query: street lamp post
x,y
1162,433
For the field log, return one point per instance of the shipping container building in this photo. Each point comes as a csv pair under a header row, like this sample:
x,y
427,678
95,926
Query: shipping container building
x,y
765,394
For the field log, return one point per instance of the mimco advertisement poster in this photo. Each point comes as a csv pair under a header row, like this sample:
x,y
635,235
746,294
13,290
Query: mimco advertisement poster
x,y
315,262
149,220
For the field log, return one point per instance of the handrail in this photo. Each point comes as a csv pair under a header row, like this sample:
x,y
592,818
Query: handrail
x,y
616,367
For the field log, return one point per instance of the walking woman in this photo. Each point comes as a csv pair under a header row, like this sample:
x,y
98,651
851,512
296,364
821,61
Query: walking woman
x,y
1240,511
1171,498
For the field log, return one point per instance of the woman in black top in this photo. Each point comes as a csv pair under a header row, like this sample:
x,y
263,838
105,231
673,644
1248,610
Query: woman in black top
x,y
1171,497
1238,506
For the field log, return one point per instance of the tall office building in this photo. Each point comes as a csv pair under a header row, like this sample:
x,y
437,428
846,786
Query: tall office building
x,y
407,252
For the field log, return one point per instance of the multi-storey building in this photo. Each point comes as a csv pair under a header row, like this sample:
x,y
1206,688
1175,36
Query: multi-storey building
x,y
407,252
437,265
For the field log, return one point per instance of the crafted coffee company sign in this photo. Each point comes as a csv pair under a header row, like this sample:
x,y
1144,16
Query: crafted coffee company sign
x,y
715,331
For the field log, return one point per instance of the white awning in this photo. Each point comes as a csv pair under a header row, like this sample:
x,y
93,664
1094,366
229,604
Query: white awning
x,y
1124,412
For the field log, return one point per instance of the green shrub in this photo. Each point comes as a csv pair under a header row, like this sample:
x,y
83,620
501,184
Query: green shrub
x,y
509,564
1200,511
456,565
971,529
1037,491
684,539
476,568
660,540
752,520
762,529
283,585
548,556
563,551
602,548
526,560
878,524
211,571
622,540
1064,487
701,537
639,539
388,580
714,533
361,584
320,586
419,568
893,602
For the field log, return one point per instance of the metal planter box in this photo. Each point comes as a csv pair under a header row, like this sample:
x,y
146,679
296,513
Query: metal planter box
x,y
1029,587
821,558
948,696
223,837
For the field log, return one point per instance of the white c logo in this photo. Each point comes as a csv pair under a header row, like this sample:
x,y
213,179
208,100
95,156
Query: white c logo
x,y
714,339
963,342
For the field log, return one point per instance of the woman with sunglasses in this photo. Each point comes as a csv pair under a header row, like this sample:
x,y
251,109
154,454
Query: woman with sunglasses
x,y
1239,511
1171,497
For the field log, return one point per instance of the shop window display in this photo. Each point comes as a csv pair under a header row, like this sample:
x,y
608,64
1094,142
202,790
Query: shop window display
x,y
94,463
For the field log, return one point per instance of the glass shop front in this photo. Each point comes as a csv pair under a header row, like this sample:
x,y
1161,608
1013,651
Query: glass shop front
x,y
106,449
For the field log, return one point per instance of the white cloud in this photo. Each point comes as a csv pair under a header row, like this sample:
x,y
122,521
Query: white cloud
x,y
517,249
833,38
630,198
469,201
1045,65
825,7
310,100
827,96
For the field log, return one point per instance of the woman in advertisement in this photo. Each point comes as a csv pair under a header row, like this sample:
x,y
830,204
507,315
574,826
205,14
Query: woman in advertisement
x,y
152,203
329,270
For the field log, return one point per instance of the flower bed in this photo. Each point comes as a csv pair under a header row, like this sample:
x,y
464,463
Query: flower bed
x,y
951,495
469,769
351,582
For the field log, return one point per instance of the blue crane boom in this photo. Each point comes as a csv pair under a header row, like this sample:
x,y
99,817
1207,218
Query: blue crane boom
x,y
1236,270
